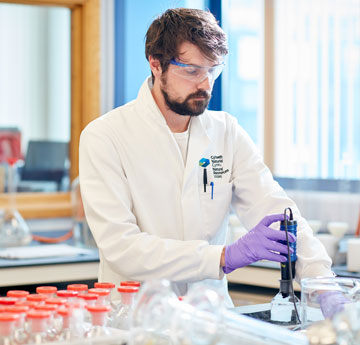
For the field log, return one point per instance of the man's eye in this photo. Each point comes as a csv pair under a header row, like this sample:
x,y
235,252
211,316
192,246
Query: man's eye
x,y
192,71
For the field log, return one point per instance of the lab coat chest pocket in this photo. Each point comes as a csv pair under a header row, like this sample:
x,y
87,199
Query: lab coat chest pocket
x,y
215,203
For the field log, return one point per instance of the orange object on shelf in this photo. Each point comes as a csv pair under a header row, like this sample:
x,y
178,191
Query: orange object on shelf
x,y
44,239
10,144
357,233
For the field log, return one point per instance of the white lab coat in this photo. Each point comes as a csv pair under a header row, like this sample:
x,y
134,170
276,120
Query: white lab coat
x,y
148,212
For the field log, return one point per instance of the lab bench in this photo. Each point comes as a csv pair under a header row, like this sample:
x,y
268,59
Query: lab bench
x,y
85,268
46,270
267,274
49,270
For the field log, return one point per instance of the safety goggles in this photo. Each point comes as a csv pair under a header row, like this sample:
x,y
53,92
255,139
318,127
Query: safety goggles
x,y
197,73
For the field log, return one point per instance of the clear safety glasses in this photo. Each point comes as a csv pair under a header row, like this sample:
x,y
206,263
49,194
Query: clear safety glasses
x,y
197,73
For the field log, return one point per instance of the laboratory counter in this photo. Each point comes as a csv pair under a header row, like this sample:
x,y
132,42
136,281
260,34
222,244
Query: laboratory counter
x,y
84,266
267,274
27,267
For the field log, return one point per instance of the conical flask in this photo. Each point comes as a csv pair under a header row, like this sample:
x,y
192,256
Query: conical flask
x,y
14,231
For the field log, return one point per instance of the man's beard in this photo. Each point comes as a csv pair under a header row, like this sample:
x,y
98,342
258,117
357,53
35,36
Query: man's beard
x,y
187,107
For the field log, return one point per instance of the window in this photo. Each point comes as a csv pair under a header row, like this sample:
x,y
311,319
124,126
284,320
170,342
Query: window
x,y
317,103
35,73
316,77
242,77
132,19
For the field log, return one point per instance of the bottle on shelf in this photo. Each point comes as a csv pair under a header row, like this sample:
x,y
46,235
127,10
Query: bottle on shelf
x,y
14,230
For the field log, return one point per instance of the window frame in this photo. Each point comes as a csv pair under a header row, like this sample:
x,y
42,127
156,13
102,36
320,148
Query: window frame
x,y
85,100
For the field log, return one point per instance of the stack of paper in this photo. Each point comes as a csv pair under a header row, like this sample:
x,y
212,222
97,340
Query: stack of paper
x,y
42,251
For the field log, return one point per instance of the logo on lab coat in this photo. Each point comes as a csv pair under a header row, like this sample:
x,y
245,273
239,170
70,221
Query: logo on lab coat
x,y
217,164
204,162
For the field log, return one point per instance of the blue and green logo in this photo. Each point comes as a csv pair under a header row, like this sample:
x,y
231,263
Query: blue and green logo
x,y
204,162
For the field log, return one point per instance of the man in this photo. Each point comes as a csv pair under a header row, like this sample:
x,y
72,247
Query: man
x,y
159,174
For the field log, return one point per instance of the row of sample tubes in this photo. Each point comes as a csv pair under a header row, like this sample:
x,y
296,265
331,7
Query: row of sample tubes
x,y
63,315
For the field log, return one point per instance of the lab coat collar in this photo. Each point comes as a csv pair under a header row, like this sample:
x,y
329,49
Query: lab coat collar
x,y
200,131
146,100
146,104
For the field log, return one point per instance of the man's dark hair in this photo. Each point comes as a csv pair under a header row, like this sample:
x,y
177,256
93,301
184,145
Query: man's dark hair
x,y
167,32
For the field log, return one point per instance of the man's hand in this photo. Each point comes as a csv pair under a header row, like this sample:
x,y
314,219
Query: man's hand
x,y
331,303
258,244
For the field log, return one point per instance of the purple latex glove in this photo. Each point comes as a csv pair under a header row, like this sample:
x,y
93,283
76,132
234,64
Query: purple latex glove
x,y
331,303
258,244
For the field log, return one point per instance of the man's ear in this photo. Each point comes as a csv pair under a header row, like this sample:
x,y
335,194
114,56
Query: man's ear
x,y
155,67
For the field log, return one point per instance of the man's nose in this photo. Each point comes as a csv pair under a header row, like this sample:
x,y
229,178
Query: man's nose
x,y
207,83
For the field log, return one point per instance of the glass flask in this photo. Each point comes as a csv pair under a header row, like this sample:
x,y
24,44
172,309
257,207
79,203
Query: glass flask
x,y
80,327
69,295
20,334
103,295
20,295
2,219
98,321
54,325
38,326
105,285
36,298
343,329
86,299
282,310
14,230
325,297
6,301
130,283
49,291
113,303
122,315
199,319
152,313
69,327
56,301
78,287
347,324
7,327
